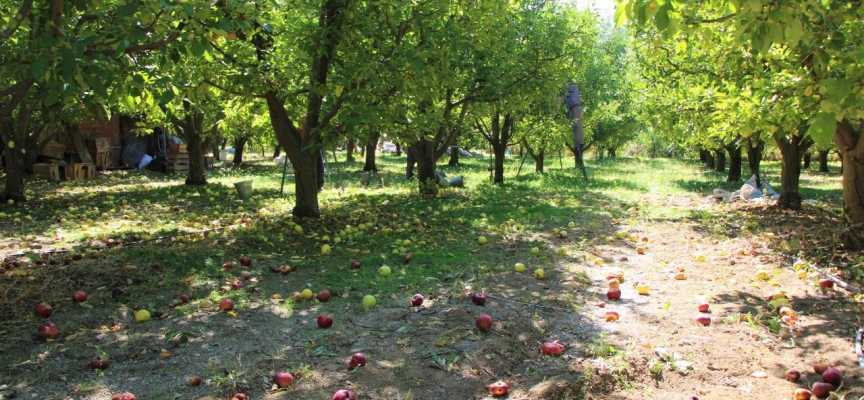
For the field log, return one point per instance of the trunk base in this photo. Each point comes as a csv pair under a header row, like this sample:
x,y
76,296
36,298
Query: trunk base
x,y
852,238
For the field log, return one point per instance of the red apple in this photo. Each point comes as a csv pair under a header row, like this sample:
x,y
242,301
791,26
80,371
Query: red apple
x,y
245,261
552,348
793,375
417,300
79,296
323,295
820,368
803,394
77,257
344,395
499,388
703,319
478,299
44,309
47,331
483,323
703,307
237,284
833,376
283,379
100,362
355,264
325,321
227,265
822,389
226,305
195,380
827,284
45,255
613,294
124,396
184,298
357,360
157,266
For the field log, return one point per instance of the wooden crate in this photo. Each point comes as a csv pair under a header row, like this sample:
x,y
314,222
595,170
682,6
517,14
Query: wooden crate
x,y
102,160
178,157
176,169
53,150
49,172
177,148
98,145
80,171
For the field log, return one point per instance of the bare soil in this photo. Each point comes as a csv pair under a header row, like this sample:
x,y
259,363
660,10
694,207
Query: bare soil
x,y
435,352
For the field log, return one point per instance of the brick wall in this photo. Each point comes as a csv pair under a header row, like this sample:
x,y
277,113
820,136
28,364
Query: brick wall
x,y
106,128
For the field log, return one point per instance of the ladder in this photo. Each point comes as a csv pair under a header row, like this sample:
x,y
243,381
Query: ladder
x,y
577,145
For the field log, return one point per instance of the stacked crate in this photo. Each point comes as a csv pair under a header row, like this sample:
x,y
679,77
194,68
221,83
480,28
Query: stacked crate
x,y
100,151
178,159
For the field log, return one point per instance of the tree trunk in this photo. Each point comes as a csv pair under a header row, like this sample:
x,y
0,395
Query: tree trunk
x,y
703,156
277,151
304,162
370,165
754,157
539,159
349,150
611,152
720,160
735,161
410,162
454,156
424,154
197,167
239,147
499,163
850,142
709,159
792,150
806,165
823,160
398,149
15,167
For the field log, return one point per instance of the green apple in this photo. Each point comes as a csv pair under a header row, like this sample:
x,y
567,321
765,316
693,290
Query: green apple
x,y
539,273
481,240
384,271
571,224
460,221
535,251
369,301
519,267
325,249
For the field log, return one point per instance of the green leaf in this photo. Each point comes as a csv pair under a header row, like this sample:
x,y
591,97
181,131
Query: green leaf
x,y
822,128
127,10
621,13
38,68
197,48
166,97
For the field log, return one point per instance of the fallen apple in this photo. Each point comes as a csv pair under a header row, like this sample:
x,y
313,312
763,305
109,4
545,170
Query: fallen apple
x,y
539,273
355,264
833,376
478,299
614,284
142,315
43,309
612,316
552,348
822,389
613,294
79,296
499,388
157,266
519,267
325,321
803,394
184,298
47,331
793,375
483,323
681,276
357,360
226,305
703,307
640,250
820,368
195,380
283,379
384,270
124,396
642,288
227,265
306,294
417,300
245,261
344,394
369,301
703,319
535,251
237,284
323,295
481,240
296,296
825,284
100,362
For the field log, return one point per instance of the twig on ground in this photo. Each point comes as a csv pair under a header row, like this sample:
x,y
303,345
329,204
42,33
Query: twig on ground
x,y
836,280
528,304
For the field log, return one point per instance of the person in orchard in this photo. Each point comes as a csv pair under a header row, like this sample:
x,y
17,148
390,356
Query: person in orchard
x,y
574,105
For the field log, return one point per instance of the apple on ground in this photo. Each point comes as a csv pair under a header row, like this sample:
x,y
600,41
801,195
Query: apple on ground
x,y
184,298
384,270
539,273
124,396
822,389
833,376
226,305
157,266
793,375
79,296
612,316
100,362
552,348
703,319
613,294
703,307
483,323
499,388
478,299
227,265
48,331
245,261
195,380
803,394
417,300
306,294
369,301
344,394
43,309
325,321
323,295
355,264
357,360
283,379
